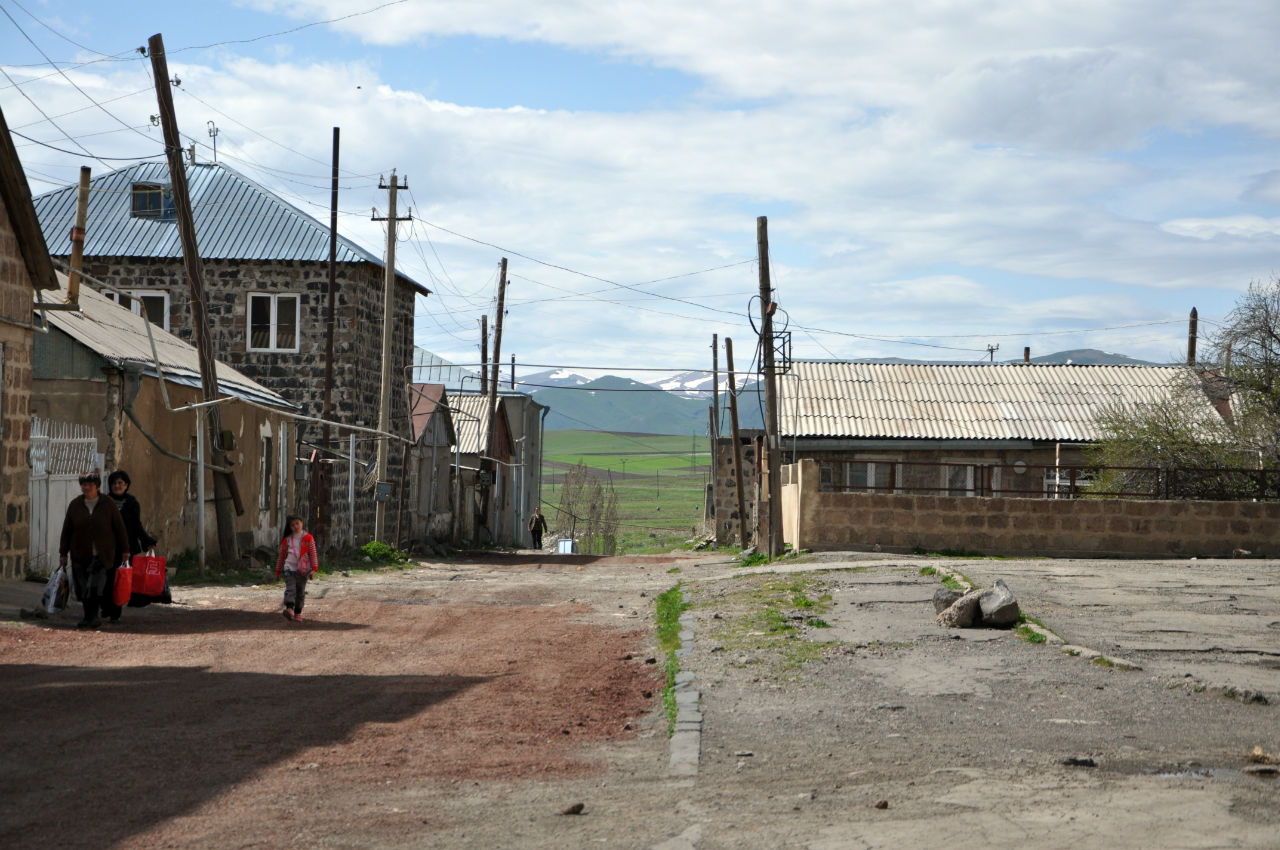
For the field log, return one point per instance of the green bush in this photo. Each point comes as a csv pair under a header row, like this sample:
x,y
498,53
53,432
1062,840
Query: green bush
x,y
381,553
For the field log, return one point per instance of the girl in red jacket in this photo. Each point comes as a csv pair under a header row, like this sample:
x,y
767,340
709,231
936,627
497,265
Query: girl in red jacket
x,y
298,560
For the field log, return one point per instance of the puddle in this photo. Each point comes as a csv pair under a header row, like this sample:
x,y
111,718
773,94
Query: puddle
x,y
1227,773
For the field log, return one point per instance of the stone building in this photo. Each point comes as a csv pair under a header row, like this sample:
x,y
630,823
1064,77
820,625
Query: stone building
x,y
266,281
24,269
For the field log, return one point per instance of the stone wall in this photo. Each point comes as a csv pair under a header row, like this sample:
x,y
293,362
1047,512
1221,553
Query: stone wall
x,y
15,402
1023,527
725,503
299,377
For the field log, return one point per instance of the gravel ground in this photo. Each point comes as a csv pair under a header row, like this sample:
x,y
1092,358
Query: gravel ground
x,y
470,703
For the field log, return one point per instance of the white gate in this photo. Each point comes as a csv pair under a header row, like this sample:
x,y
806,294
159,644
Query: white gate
x,y
60,453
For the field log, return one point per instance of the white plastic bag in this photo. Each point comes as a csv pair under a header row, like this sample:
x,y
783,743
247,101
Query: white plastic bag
x,y
56,591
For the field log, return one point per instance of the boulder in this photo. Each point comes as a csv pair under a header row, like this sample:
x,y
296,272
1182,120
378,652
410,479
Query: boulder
x,y
944,597
998,605
962,613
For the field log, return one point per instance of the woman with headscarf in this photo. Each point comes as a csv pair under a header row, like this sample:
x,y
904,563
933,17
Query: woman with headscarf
x,y
140,541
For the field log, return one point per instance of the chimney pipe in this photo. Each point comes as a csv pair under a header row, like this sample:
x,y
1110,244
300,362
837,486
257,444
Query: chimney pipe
x,y
1191,337
1026,354
77,238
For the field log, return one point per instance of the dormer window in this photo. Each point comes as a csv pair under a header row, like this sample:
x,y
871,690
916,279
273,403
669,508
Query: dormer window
x,y
148,200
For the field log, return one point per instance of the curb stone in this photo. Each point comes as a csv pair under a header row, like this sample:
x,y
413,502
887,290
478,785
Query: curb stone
x,y
686,740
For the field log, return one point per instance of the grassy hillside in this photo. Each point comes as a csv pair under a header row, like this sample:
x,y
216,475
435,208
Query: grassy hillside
x,y
623,405
661,488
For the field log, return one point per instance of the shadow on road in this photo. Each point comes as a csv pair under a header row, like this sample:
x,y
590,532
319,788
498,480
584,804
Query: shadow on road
x,y
158,742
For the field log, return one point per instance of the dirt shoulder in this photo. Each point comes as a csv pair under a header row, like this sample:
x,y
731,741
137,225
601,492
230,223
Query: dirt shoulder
x,y
470,703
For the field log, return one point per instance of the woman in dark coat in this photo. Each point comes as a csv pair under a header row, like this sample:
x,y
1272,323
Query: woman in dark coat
x,y
93,537
131,512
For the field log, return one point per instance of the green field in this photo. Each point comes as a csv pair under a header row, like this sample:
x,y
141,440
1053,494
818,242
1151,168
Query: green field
x,y
660,481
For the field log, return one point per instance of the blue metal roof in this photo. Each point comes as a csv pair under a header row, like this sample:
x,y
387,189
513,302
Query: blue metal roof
x,y
235,218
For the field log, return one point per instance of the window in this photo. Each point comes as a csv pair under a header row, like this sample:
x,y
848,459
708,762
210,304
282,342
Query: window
x,y
143,302
959,479
148,200
273,322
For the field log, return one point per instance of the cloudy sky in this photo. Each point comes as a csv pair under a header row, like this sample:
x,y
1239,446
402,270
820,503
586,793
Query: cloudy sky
x,y
939,176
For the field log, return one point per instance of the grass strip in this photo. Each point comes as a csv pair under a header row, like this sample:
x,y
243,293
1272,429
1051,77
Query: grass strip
x,y
668,606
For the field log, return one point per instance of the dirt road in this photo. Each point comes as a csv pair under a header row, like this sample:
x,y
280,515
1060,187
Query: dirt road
x,y
470,703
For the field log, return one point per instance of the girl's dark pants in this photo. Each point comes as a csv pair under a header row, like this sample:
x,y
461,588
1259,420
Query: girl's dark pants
x,y
295,590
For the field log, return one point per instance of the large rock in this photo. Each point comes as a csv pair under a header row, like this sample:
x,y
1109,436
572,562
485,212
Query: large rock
x,y
962,613
998,606
944,598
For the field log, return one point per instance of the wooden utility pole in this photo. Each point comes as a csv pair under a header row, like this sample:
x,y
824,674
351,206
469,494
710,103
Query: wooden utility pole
x,y
224,489
388,322
319,469
715,389
743,537
773,447
487,463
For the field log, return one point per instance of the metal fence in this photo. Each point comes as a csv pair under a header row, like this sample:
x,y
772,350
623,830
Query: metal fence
x,y
1022,480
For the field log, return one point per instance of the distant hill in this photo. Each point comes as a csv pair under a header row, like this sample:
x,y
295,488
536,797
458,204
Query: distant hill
x,y
1089,357
621,404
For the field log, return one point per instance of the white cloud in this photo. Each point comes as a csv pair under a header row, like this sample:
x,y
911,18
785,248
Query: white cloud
x,y
1233,227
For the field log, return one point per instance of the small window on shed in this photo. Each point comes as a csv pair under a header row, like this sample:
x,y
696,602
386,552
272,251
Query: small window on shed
x,y
148,200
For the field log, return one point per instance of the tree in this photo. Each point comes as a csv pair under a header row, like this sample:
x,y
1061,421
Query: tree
x,y
1188,450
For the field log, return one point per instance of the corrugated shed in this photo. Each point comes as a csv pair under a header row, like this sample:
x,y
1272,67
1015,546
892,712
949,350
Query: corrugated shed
x,y
962,401
118,335
471,419
235,218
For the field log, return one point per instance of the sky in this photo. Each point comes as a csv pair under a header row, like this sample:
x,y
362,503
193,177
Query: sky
x,y
939,177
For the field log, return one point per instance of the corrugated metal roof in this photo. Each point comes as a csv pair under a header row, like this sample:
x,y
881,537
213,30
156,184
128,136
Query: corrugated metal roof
x,y
962,401
235,218
471,419
117,334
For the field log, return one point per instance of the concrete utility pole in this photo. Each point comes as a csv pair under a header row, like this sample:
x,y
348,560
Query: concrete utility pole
x,y
225,492
388,320
773,447
319,523
743,537
484,355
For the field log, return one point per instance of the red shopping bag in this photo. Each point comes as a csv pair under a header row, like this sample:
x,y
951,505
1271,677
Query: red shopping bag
x,y
123,588
148,574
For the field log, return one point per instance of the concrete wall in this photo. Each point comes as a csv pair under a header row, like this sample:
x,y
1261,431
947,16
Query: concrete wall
x,y
15,397
999,526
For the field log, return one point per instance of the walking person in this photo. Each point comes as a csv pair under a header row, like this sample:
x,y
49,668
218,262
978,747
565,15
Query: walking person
x,y
94,539
537,526
298,560
118,484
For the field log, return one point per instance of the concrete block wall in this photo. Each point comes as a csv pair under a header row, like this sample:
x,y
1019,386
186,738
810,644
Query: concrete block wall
x,y
1048,527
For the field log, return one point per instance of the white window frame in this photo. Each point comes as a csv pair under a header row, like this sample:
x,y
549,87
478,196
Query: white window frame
x,y
136,297
275,299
